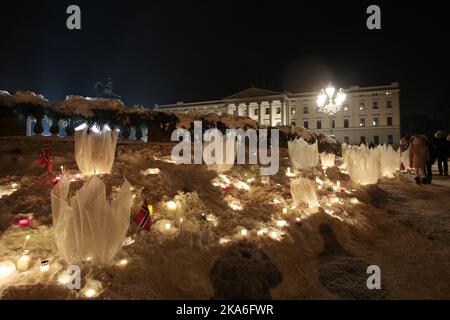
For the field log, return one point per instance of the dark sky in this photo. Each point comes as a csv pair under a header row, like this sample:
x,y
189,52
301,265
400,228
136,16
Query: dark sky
x,y
168,51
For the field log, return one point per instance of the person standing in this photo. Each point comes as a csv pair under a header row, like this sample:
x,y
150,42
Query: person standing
x,y
442,146
418,157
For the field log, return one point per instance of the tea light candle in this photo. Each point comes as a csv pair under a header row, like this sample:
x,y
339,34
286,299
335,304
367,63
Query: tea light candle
x,y
244,232
45,265
23,264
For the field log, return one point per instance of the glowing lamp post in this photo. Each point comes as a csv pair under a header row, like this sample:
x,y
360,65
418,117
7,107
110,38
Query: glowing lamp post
x,y
329,101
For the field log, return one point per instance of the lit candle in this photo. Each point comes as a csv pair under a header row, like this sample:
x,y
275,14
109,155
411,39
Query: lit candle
x,y
26,241
45,265
23,264
285,210
244,232
122,263
171,205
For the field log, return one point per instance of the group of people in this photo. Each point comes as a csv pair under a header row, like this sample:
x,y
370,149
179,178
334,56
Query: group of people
x,y
424,152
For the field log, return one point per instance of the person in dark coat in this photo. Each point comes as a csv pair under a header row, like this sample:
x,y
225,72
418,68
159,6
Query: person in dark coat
x,y
433,156
442,146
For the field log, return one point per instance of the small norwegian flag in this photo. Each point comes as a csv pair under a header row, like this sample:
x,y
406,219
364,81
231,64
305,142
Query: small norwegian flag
x,y
46,158
144,217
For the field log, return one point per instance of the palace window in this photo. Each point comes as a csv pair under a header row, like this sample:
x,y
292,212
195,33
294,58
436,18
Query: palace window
x,y
389,104
362,106
389,121
346,107
363,139
390,139
362,122
333,123
376,140
375,105
346,140
305,125
292,110
346,125
375,122
278,110
293,123
267,110
255,112
305,110
319,124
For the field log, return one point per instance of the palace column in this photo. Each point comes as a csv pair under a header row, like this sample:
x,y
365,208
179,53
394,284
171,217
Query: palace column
x,y
247,104
283,113
260,113
237,109
227,108
270,113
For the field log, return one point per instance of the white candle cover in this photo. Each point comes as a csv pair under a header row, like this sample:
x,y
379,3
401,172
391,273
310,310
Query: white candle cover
x,y
23,264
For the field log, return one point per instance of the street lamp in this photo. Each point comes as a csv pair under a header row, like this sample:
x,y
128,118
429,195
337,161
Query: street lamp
x,y
330,102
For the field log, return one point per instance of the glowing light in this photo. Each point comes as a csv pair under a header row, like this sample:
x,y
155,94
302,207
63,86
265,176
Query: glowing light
x,y
223,241
168,226
90,293
64,278
274,235
150,171
285,210
298,220
171,205
122,263
106,127
354,201
282,223
242,185
7,271
81,127
244,232
96,129
330,91
289,173
88,258
14,185
319,181
128,241
235,206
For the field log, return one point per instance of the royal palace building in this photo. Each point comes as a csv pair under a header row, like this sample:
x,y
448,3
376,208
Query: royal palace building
x,y
369,114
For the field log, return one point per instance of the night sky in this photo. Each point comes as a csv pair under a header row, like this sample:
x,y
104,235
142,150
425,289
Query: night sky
x,y
169,51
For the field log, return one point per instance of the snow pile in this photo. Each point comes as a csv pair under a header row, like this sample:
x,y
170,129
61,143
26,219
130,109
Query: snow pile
x,y
220,150
83,106
363,164
327,159
87,225
302,154
95,152
389,160
303,192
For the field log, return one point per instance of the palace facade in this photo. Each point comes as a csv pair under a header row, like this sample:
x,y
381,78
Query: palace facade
x,y
369,114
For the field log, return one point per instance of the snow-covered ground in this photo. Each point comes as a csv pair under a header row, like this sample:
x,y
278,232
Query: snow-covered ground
x,y
400,226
